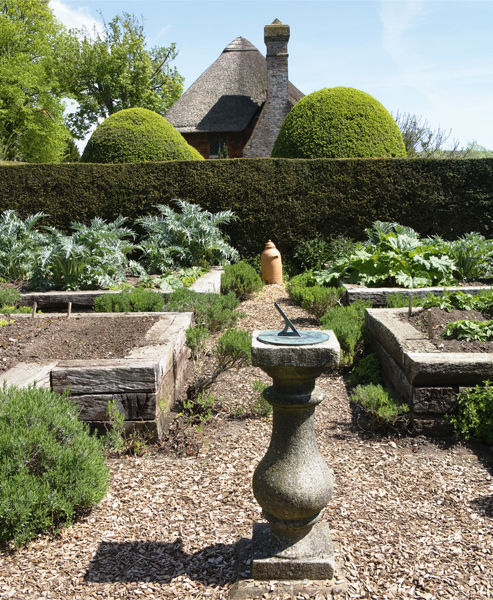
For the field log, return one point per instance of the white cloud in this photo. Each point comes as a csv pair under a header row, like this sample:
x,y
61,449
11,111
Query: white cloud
x,y
75,18
399,21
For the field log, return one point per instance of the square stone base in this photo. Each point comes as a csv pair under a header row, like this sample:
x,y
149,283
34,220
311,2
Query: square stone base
x,y
312,557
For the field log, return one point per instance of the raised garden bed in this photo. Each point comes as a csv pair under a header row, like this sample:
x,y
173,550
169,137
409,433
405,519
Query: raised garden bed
x,y
422,375
144,383
378,295
209,282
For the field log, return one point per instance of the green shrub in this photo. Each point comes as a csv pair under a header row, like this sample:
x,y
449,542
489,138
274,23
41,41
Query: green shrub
x,y
315,299
241,279
185,239
301,280
50,467
474,415
347,323
338,122
234,348
381,408
318,299
213,311
198,410
366,371
195,338
134,300
137,135
312,254
9,296
398,300
19,310
94,256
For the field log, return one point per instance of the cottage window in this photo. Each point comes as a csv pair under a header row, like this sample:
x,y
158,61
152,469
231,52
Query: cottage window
x,y
218,148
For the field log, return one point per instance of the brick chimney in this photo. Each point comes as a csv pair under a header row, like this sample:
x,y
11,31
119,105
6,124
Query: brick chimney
x,y
277,105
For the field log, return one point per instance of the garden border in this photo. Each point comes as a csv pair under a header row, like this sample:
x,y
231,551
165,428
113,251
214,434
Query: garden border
x,y
378,295
144,384
423,377
209,282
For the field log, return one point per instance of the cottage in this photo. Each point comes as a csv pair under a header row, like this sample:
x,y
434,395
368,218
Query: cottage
x,y
237,106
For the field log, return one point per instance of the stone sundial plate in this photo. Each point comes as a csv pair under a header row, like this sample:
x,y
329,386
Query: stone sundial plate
x,y
305,338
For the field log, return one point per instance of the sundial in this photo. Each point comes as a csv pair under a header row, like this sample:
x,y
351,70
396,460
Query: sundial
x,y
290,336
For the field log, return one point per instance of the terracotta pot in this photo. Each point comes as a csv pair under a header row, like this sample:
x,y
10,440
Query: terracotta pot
x,y
271,264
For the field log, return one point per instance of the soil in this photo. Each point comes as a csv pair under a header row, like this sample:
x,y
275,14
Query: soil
x,y
45,338
439,319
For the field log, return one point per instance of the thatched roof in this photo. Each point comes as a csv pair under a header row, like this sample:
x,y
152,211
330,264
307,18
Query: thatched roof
x,y
228,94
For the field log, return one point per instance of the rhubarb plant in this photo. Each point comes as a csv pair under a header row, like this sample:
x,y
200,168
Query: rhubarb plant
x,y
393,255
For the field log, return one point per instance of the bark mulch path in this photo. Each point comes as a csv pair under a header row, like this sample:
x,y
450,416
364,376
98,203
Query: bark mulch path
x,y
412,518
439,320
44,338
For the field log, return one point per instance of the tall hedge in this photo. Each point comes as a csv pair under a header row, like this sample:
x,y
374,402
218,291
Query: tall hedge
x,y
280,199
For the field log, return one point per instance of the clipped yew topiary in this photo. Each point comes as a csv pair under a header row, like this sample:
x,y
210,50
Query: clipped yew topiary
x,y
137,135
338,122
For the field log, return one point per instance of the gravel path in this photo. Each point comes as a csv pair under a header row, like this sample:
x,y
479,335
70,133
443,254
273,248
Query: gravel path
x,y
412,518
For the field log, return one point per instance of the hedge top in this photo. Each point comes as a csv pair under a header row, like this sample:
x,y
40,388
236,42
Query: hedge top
x,y
137,135
339,122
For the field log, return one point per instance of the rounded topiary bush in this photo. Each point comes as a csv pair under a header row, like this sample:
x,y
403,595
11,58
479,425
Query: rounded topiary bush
x,y
50,466
338,122
137,135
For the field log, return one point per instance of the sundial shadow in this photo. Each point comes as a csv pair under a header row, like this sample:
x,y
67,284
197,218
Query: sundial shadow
x,y
163,561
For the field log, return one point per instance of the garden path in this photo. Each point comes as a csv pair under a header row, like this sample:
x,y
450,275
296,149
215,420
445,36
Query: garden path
x,y
412,518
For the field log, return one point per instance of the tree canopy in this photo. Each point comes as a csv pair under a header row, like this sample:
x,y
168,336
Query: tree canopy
x,y
31,109
422,141
111,71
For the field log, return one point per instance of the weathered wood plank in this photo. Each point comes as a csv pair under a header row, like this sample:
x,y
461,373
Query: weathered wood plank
x,y
119,376
93,407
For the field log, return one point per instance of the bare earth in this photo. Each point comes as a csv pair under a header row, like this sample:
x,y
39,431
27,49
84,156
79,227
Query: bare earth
x,y
44,338
412,518
439,319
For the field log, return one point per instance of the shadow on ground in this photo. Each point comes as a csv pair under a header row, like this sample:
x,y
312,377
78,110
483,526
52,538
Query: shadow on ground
x,y
161,562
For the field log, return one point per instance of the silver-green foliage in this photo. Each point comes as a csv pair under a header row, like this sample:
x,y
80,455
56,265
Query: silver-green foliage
x,y
94,256
473,256
20,243
183,239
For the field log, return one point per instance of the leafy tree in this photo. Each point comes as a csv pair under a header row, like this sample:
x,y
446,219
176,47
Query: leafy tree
x,y
421,141
31,109
113,70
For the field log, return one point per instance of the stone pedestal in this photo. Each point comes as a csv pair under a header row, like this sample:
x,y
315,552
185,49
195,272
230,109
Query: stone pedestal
x,y
292,483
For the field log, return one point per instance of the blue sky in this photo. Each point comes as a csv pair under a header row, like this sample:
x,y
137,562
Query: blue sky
x,y
432,58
